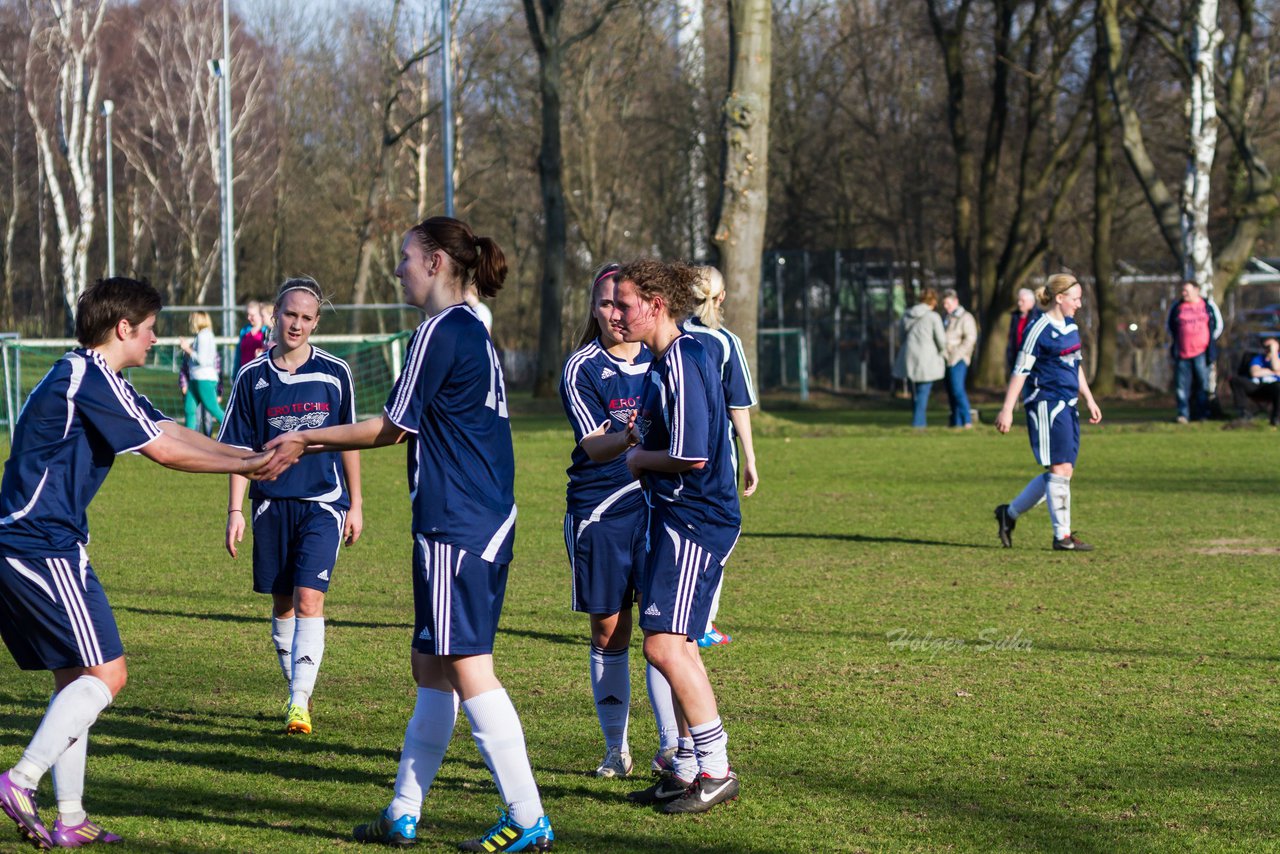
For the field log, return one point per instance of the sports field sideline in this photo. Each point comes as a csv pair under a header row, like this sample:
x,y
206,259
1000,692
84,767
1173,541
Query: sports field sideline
x,y
897,681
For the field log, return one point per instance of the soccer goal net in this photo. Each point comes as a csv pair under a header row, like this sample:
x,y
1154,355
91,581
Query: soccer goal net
x,y
375,362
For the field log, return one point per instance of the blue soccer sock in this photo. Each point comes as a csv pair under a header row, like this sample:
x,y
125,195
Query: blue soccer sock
x,y
495,726
426,738
711,744
611,689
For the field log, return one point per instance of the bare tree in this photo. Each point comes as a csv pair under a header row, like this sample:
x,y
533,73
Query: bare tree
x,y
544,19
744,202
62,76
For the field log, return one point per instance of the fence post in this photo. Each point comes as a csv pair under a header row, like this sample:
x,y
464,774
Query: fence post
x,y
804,368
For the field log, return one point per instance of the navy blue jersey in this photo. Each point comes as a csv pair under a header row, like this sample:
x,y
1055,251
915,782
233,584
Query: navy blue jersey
x,y
726,351
595,388
1050,359
450,395
267,401
682,412
80,416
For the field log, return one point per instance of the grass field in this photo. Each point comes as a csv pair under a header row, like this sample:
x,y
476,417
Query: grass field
x,y
897,681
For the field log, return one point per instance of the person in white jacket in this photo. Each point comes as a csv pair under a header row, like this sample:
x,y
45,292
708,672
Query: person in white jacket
x,y
203,388
921,359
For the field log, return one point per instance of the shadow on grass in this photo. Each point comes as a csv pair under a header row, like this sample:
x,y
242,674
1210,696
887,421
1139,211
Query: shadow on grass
x,y
255,619
858,538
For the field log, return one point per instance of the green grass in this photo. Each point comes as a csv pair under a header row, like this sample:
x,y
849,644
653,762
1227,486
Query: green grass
x,y
1129,706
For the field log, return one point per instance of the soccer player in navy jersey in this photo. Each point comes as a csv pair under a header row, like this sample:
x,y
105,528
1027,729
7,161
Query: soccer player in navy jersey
x,y
451,402
707,321
605,520
1049,374
301,518
54,614
684,462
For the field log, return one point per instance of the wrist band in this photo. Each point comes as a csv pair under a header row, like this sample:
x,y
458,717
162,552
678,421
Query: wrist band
x,y
235,510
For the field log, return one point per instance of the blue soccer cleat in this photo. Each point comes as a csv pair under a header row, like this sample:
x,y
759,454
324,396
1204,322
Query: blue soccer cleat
x,y
714,637
401,832
506,835
20,805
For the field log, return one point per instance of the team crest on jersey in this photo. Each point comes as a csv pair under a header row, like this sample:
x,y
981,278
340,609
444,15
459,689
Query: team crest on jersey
x,y
622,416
642,426
306,421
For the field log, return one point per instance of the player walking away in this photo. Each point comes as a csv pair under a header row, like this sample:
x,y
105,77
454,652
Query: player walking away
x,y
739,395
301,518
53,611
451,402
684,461
606,516
1050,376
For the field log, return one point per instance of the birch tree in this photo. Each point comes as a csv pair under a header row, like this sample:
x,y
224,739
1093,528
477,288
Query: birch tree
x,y
1202,144
63,72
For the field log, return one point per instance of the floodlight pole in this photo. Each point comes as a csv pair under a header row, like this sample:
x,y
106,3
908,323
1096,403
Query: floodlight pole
x,y
228,177
109,107
447,96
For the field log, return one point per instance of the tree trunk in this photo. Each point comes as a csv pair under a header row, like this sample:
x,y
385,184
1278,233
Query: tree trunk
x,y
1105,197
744,195
1202,144
554,237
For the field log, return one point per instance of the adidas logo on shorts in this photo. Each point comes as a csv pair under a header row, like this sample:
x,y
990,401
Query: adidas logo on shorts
x,y
608,372
324,576
652,611
262,383
426,634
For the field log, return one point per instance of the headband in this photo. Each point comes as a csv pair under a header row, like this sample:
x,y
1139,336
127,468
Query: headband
x,y
608,271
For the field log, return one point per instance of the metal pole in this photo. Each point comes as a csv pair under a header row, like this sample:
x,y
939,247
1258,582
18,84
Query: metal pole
x,y
228,172
446,64
109,107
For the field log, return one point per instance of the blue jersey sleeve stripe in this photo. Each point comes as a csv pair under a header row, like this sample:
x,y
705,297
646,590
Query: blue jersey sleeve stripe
x,y
676,377
348,385
413,367
574,395
741,358
124,395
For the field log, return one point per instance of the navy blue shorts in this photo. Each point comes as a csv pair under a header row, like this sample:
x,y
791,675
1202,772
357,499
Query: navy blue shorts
x,y
54,613
295,544
679,581
457,599
1053,426
606,557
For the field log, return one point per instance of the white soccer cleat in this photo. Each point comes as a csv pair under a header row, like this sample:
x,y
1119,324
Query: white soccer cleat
x,y
616,763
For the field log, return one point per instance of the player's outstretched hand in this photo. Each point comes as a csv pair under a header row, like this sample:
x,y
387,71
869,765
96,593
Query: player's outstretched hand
x,y
262,466
354,527
289,448
235,530
1004,421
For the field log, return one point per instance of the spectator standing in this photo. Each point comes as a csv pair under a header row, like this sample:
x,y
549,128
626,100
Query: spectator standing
x,y
253,336
962,336
921,360
202,388
1020,320
1194,326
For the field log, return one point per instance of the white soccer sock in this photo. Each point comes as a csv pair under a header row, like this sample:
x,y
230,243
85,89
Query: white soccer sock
x,y
715,603
1031,495
685,762
308,652
711,743
664,707
611,688
1059,489
68,778
282,642
495,726
426,737
71,712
